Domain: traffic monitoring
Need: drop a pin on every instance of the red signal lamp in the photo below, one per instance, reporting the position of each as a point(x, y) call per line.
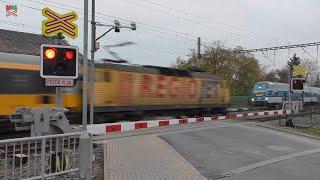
point(69, 55)
point(50, 53)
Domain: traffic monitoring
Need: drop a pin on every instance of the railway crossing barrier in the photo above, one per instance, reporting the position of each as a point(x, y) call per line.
point(100, 129)
point(40, 157)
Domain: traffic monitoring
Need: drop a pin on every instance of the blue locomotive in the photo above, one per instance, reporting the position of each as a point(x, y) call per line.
point(267, 93)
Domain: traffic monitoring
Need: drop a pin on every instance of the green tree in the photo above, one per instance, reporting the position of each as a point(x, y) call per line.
point(278, 75)
point(240, 70)
point(294, 61)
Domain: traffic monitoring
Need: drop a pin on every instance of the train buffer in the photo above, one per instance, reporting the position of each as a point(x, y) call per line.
point(42, 121)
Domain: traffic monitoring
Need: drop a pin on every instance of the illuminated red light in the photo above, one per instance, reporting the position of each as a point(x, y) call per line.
point(50, 53)
point(69, 55)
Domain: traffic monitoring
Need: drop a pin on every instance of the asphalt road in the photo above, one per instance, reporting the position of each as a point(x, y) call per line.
point(248, 152)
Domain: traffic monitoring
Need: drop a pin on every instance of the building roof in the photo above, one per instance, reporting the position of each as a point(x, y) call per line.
point(23, 43)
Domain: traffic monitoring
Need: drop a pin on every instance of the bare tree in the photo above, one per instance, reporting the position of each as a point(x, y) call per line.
point(313, 72)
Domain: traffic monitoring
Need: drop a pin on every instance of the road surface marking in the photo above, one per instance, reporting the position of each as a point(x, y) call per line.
point(267, 162)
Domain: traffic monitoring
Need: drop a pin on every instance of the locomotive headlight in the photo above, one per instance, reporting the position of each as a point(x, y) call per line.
point(266, 99)
point(252, 99)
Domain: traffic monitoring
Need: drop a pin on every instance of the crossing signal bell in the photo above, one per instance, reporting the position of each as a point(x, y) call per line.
point(297, 84)
point(59, 61)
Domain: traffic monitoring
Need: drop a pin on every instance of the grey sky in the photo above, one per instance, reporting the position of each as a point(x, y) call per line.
point(168, 29)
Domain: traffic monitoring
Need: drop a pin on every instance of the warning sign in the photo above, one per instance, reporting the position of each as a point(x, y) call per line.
point(59, 23)
point(300, 70)
point(59, 82)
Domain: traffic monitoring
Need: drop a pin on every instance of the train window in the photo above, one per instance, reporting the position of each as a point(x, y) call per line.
point(275, 93)
point(45, 99)
point(107, 77)
point(97, 77)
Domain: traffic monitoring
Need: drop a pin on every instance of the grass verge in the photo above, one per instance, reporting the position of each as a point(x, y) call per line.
point(314, 131)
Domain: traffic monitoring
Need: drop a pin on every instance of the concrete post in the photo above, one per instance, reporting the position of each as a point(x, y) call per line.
point(85, 162)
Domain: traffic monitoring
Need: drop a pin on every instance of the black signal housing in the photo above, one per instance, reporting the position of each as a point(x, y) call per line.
point(59, 61)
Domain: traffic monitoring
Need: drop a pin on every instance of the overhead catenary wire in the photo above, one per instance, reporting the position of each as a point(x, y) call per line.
point(208, 19)
point(104, 16)
point(35, 26)
point(281, 47)
point(177, 36)
point(308, 54)
point(149, 46)
point(198, 21)
point(206, 25)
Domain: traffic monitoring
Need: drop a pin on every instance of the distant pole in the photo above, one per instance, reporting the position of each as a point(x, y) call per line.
point(274, 58)
point(290, 105)
point(93, 49)
point(317, 53)
point(59, 92)
point(199, 53)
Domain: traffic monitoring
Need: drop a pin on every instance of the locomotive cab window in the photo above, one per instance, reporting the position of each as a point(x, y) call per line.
point(106, 76)
point(102, 76)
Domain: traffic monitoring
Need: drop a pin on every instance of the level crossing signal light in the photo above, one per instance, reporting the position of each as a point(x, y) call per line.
point(297, 84)
point(59, 61)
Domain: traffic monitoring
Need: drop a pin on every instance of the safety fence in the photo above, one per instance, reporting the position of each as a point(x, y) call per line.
point(240, 102)
point(39, 157)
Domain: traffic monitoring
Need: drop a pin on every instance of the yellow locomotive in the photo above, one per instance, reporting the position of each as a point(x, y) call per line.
point(119, 89)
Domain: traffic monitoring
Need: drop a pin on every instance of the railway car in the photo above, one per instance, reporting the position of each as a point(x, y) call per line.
point(120, 89)
point(270, 94)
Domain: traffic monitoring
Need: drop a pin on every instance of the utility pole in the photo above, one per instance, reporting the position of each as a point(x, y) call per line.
point(289, 92)
point(84, 144)
point(317, 53)
point(93, 49)
point(198, 52)
point(85, 68)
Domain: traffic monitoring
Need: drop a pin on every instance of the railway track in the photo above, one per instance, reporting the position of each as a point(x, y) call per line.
point(35, 146)
point(308, 111)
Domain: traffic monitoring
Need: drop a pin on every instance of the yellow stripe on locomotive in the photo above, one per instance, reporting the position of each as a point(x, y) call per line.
point(115, 86)
point(22, 87)
point(119, 88)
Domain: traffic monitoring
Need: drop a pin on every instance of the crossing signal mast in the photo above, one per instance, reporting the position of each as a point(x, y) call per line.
point(297, 84)
point(59, 64)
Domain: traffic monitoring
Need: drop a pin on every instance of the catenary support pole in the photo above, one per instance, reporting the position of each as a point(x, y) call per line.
point(289, 92)
point(274, 58)
point(85, 69)
point(93, 49)
point(92, 73)
point(199, 52)
point(317, 53)
point(85, 160)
